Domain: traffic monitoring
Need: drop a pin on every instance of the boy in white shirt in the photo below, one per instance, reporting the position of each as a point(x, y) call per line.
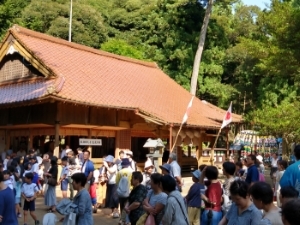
point(7, 181)
point(29, 191)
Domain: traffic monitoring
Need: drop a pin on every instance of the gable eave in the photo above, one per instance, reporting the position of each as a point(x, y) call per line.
point(11, 39)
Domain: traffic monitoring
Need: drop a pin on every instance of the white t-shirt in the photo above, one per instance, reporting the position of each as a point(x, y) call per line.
point(9, 184)
point(111, 176)
point(13, 181)
point(96, 175)
point(35, 168)
point(29, 189)
point(274, 162)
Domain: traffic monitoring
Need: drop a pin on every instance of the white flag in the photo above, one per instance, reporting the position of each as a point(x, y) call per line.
point(186, 115)
point(228, 117)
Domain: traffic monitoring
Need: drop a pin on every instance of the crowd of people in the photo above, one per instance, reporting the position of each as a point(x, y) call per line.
point(148, 197)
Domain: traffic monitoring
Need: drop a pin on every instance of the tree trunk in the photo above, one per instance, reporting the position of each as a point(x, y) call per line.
point(198, 56)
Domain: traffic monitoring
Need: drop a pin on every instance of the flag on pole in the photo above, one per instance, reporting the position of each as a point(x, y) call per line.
point(228, 117)
point(186, 115)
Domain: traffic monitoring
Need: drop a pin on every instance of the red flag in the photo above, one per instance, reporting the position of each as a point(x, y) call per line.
point(228, 117)
point(186, 115)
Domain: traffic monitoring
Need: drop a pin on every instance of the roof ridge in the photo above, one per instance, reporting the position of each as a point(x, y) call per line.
point(19, 29)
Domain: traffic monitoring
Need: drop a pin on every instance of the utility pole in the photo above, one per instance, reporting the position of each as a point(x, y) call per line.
point(70, 23)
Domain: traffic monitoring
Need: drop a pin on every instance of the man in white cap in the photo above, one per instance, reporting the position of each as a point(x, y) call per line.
point(175, 170)
point(132, 162)
point(149, 169)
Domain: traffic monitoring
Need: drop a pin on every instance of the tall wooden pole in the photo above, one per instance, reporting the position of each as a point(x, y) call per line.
point(171, 150)
point(213, 148)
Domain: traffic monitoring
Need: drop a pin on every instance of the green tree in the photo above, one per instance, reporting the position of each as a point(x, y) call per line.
point(120, 47)
point(52, 17)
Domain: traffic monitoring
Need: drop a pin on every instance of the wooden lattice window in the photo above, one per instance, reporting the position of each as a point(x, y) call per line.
point(16, 67)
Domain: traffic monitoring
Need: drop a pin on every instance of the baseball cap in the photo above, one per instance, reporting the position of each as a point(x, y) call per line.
point(197, 174)
point(128, 152)
point(68, 150)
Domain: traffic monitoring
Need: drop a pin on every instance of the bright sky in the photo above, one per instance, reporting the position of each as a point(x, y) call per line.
point(260, 3)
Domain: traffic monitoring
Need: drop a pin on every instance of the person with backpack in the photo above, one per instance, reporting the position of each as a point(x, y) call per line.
point(123, 179)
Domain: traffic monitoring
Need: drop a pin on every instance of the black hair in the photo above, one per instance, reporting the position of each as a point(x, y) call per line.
point(291, 211)
point(155, 178)
point(79, 178)
point(87, 151)
point(137, 175)
point(289, 192)
point(239, 164)
point(6, 172)
point(65, 158)
point(53, 162)
point(1, 177)
point(283, 163)
point(168, 183)
point(29, 176)
point(297, 152)
point(201, 167)
point(13, 170)
point(252, 157)
point(262, 191)
point(229, 167)
point(26, 166)
point(240, 188)
point(211, 173)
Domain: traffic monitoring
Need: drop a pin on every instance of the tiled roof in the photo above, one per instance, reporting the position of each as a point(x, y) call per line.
point(95, 77)
point(24, 91)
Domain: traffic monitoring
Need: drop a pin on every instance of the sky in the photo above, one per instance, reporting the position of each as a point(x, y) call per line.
point(260, 3)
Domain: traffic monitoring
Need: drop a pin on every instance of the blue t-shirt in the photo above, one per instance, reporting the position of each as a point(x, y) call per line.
point(7, 207)
point(193, 197)
point(250, 216)
point(252, 174)
point(291, 177)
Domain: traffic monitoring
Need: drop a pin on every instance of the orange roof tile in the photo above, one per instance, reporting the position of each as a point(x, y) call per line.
point(99, 78)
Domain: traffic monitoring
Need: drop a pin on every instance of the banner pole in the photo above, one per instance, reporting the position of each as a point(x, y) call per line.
point(213, 148)
point(171, 150)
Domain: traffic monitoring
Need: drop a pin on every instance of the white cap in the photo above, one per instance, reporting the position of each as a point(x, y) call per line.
point(148, 163)
point(259, 158)
point(68, 150)
point(128, 152)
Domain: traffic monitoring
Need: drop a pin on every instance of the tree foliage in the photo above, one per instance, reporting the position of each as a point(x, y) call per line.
point(251, 56)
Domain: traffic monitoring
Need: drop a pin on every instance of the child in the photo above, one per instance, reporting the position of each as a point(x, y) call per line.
point(64, 177)
point(281, 165)
point(41, 177)
point(228, 171)
point(93, 194)
point(193, 199)
point(7, 180)
point(27, 169)
point(35, 170)
point(29, 191)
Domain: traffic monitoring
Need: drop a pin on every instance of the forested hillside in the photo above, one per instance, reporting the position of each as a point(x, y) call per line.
point(251, 56)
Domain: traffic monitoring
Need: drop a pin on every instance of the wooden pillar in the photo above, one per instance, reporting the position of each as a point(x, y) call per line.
point(117, 143)
point(170, 137)
point(200, 147)
point(30, 140)
point(57, 126)
point(7, 139)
